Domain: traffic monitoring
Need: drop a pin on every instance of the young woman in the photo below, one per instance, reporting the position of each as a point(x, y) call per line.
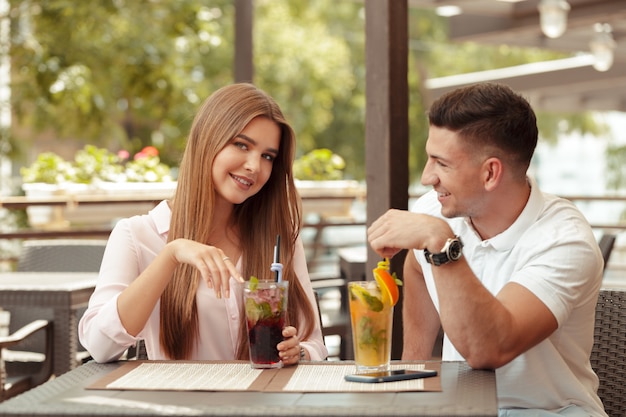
point(174, 277)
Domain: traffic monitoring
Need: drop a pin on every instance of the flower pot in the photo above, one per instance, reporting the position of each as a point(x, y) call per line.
point(44, 217)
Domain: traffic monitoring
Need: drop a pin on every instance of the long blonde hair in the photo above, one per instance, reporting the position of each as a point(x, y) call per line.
point(274, 210)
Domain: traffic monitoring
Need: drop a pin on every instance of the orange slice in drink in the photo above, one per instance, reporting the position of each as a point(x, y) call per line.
point(387, 283)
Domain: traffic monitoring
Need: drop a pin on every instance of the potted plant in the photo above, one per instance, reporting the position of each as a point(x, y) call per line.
point(94, 171)
point(143, 173)
point(319, 165)
point(43, 179)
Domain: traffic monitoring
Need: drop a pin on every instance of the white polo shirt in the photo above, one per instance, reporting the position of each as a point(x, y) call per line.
point(550, 250)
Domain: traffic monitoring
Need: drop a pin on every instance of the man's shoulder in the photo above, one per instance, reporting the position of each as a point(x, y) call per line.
point(559, 208)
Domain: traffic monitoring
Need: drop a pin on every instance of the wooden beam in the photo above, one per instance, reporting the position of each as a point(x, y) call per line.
point(244, 66)
point(386, 123)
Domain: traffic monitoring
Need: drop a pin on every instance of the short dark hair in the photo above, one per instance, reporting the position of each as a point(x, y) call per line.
point(491, 117)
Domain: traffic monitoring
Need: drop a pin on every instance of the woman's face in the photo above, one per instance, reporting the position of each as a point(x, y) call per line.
point(243, 167)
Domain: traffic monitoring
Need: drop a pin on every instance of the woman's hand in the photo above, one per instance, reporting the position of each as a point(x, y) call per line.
point(289, 349)
point(215, 267)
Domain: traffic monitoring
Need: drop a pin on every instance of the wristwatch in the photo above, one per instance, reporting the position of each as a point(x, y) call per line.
point(452, 251)
point(302, 354)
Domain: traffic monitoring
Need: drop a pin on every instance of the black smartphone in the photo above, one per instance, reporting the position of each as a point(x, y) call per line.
point(387, 376)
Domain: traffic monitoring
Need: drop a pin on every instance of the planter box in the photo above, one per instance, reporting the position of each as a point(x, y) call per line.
point(325, 199)
point(104, 215)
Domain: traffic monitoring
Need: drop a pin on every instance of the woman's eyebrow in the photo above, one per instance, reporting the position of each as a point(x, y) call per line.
point(254, 142)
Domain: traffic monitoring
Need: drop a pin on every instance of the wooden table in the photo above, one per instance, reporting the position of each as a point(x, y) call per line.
point(352, 263)
point(64, 293)
point(464, 392)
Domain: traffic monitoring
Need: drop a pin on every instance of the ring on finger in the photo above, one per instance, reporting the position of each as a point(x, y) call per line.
point(226, 258)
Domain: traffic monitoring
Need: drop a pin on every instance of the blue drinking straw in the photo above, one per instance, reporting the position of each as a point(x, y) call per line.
point(277, 267)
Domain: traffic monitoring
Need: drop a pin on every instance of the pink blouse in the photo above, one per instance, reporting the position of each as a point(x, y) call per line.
point(132, 245)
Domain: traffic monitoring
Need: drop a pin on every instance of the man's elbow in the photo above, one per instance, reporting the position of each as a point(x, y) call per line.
point(487, 359)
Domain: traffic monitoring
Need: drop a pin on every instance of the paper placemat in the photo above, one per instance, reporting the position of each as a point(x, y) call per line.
point(240, 376)
point(330, 378)
point(185, 376)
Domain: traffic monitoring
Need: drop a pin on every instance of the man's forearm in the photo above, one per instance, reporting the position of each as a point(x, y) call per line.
point(420, 319)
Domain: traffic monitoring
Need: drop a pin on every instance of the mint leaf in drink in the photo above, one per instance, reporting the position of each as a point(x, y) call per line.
point(253, 312)
point(369, 336)
point(374, 303)
point(266, 310)
point(256, 311)
point(254, 283)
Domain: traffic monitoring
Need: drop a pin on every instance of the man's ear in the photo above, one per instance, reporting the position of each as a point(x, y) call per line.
point(492, 170)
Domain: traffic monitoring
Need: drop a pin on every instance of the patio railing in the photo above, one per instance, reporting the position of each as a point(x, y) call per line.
point(323, 235)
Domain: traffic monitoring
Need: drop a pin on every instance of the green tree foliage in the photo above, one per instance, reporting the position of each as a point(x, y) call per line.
point(126, 74)
point(310, 57)
point(123, 74)
point(616, 167)
point(320, 164)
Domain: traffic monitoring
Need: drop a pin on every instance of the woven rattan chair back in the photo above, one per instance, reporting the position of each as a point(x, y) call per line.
point(608, 357)
point(61, 255)
point(54, 255)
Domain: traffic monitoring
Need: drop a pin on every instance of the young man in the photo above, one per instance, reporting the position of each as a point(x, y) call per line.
point(510, 273)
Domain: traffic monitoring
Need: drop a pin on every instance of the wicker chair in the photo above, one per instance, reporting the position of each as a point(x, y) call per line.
point(52, 255)
point(26, 377)
point(606, 243)
point(608, 357)
point(335, 322)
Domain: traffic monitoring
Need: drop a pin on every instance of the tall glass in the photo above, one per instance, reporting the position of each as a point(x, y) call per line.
point(266, 315)
point(372, 323)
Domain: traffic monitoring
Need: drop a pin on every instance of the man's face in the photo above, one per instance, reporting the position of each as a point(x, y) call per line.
point(455, 174)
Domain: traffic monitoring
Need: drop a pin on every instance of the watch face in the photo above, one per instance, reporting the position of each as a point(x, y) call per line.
point(451, 252)
point(455, 250)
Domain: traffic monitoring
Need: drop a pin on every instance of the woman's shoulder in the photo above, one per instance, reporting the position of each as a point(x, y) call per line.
point(155, 222)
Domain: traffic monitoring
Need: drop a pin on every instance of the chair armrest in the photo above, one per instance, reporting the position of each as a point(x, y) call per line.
point(19, 335)
point(23, 333)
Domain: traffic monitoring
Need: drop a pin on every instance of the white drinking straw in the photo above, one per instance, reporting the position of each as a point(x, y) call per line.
point(277, 267)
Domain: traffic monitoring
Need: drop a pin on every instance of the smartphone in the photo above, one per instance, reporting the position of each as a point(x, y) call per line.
point(387, 376)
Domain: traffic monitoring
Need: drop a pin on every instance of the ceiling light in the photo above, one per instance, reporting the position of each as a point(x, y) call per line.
point(602, 46)
point(553, 17)
point(448, 11)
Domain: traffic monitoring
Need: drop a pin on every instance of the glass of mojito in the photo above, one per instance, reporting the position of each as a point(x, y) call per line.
point(372, 320)
point(266, 314)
